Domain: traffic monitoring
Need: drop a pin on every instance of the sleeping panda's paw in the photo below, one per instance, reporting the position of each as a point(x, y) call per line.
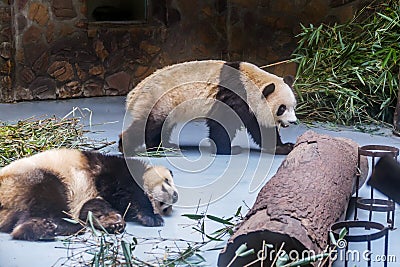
point(106, 217)
point(35, 229)
point(284, 149)
point(150, 219)
point(112, 222)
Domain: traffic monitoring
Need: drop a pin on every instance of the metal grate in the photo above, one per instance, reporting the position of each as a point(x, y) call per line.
point(372, 204)
point(382, 231)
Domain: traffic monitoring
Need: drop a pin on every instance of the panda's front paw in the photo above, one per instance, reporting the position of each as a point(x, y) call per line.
point(112, 222)
point(150, 220)
point(284, 149)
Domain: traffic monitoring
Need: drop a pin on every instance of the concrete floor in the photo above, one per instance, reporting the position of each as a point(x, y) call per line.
point(206, 173)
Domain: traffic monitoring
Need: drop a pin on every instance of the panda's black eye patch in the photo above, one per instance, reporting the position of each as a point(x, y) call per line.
point(281, 110)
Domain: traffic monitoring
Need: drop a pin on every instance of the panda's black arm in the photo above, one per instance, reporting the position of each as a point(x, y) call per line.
point(116, 185)
point(264, 137)
point(282, 148)
point(278, 137)
point(139, 208)
point(105, 214)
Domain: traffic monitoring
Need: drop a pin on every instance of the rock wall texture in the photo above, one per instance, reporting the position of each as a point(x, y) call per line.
point(6, 60)
point(52, 49)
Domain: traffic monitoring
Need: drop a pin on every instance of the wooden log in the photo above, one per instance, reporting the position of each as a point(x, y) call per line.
point(310, 191)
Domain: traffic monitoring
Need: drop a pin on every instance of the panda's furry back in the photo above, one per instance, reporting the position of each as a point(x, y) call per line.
point(197, 83)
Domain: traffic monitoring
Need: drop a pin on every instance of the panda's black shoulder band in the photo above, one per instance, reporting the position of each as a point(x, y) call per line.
point(234, 64)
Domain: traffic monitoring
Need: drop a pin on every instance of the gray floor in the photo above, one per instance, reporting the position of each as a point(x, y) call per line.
point(216, 191)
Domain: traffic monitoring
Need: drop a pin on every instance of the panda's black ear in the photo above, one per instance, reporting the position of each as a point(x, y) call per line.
point(289, 80)
point(171, 173)
point(269, 89)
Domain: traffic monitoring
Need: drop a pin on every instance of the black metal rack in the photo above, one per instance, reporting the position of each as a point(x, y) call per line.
point(382, 231)
point(372, 204)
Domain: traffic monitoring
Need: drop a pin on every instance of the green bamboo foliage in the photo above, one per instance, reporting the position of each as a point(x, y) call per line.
point(36, 134)
point(33, 135)
point(348, 73)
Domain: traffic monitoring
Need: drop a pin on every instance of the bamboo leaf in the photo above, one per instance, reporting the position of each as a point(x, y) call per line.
point(241, 249)
point(343, 233)
point(385, 61)
point(307, 260)
point(238, 211)
point(332, 238)
point(220, 220)
point(388, 18)
point(195, 217)
point(126, 248)
point(359, 77)
point(246, 253)
point(282, 260)
point(70, 220)
point(340, 40)
point(213, 238)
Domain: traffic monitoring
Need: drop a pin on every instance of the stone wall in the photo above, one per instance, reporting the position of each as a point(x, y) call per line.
point(59, 53)
point(6, 63)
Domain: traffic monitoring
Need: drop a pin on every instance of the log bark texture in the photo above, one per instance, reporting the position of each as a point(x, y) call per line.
point(310, 191)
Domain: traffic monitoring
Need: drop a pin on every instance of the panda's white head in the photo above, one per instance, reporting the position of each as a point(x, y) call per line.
point(277, 93)
point(159, 186)
point(281, 100)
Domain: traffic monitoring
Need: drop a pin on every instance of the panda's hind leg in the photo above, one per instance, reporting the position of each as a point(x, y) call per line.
point(8, 219)
point(148, 132)
point(41, 216)
point(157, 136)
point(35, 229)
point(42, 228)
point(222, 136)
point(132, 138)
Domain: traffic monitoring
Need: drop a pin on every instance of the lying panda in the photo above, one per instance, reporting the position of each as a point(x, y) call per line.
point(228, 95)
point(37, 191)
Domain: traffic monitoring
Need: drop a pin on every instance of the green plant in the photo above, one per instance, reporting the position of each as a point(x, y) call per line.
point(36, 134)
point(99, 248)
point(348, 73)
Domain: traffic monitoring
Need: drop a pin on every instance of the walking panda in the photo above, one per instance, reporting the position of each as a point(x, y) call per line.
point(37, 192)
point(228, 95)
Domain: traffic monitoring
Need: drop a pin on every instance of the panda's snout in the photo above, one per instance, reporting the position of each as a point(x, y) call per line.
point(286, 124)
point(174, 197)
